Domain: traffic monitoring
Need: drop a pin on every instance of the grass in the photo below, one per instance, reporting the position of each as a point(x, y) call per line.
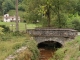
point(1, 18)
point(21, 25)
point(9, 45)
point(70, 51)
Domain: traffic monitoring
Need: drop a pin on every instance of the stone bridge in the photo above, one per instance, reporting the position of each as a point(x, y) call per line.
point(51, 34)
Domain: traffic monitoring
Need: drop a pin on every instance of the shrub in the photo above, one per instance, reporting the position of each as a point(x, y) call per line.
point(76, 24)
point(1, 33)
point(60, 22)
point(5, 28)
point(33, 48)
point(17, 46)
point(31, 53)
point(16, 33)
point(59, 54)
point(25, 55)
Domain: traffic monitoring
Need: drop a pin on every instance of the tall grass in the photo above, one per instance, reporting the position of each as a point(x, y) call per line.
point(70, 51)
point(10, 42)
point(9, 45)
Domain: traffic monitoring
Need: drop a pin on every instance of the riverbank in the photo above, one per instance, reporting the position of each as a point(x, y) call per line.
point(70, 51)
point(10, 43)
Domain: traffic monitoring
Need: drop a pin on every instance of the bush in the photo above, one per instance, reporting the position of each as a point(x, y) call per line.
point(76, 24)
point(17, 33)
point(32, 46)
point(31, 53)
point(1, 33)
point(5, 28)
point(25, 55)
point(62, 23)
point(59, 54)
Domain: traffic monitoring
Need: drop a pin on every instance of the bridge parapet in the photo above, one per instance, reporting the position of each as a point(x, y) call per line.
point(50, 32)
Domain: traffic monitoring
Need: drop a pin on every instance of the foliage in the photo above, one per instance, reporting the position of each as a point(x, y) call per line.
point(78, 7)
point(51, 10)
point(45, 11)
point(7, 5)
point(59, 54)
point(1, 33)
point(25, 55)
point(21, 7)
point(33, 48)
point(1, 9)
point(31, 53)
point(76, 24)
point(70, 51)
point(62, 23)
point(6, 46)
point(5, 28)
point(12, 43)
point(17, 33)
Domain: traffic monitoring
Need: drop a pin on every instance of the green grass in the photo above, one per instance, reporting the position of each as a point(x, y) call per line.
point(0, 17)
point(21, 25)
point(70, 51)
point(9, 45)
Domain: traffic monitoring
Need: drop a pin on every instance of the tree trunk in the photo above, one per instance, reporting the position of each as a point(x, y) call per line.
point(17, 25)
point(48, 16)
point(59, 22)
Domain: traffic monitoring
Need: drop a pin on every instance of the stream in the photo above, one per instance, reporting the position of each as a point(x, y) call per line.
point(45, 54)
point(47, 49)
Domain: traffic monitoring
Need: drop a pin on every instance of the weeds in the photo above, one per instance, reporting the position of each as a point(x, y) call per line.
point(70, 51)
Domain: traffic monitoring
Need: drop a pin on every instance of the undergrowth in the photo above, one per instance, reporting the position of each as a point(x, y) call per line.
point(10, 42)
point(70, 51)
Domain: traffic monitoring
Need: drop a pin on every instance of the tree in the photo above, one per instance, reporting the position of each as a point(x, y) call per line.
point(7, 5)
point(78, 7)
point(52, 10)
point(31, 9)
point(1, 9)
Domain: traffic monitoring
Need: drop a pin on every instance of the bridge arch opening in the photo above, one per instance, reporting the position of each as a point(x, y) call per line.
point(49, 45)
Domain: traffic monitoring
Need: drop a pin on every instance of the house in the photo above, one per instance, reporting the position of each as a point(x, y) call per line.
point(8, 18)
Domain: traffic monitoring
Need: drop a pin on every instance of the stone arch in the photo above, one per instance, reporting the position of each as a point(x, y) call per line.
point(60, 40)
